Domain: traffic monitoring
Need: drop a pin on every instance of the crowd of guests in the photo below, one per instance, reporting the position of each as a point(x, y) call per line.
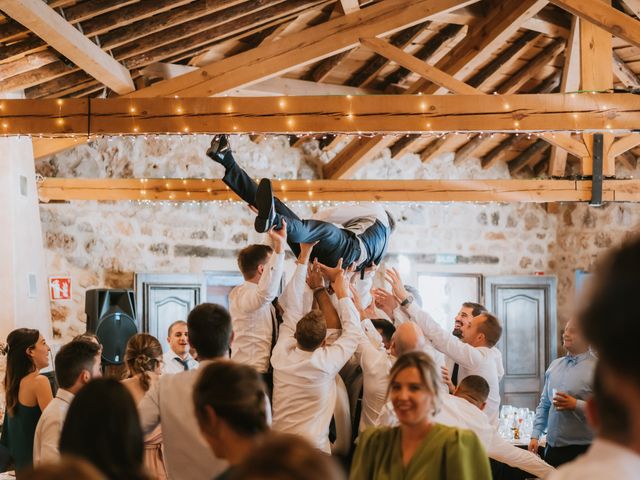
point(327, 380)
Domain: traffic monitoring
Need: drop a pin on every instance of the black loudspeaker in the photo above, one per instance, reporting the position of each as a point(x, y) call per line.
point(111, 316)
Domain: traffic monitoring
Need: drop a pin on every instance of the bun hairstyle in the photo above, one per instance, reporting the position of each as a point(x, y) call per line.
point(237, 394)
point(19, 364)
point(143, 355)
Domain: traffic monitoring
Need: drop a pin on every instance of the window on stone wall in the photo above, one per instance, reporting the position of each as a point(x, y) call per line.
point(443, 293)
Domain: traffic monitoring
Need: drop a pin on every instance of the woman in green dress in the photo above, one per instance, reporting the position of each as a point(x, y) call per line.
point(418, 449)
point(27, 392)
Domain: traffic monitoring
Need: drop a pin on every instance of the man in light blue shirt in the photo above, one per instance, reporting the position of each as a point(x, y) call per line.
point(561, 411)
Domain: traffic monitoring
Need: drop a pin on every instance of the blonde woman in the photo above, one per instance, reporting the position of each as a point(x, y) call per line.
point(143, 359)
point(418, 448)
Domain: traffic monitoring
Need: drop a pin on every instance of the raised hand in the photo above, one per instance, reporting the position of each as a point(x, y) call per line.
point(315, 279)
point(331, 273)
point(392, 276)
point(385, 301)
point(278, 237)
point(340, 283)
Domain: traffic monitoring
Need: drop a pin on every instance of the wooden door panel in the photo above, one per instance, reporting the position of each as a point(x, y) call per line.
point(526, 307)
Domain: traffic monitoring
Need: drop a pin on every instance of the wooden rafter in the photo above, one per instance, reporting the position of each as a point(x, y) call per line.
point(570, 83)
point(303, 48)
point(371, 69)
point(61, 35)
point(232, 21)
point(485, 37)
point(510, 54)
point(624, 144)
point(529, 156)
point(69, 189)
point(624, 73)
point(604, 16)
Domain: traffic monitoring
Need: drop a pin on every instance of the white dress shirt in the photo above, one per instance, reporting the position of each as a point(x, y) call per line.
point(252, 315)
point(603, 460)
point(169, 403)
point(47, 436)
point(304, 394)
point(483, 361)
point(376, 362)
point(172, 365)
point(458, 412)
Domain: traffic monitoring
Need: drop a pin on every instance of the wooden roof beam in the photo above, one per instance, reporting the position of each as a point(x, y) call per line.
point(570, 82)
point(604, 16)
point(153, 189)
point(627, 76)
point(61, 35)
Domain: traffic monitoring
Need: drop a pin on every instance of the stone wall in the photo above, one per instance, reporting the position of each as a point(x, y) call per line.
point(104, 244)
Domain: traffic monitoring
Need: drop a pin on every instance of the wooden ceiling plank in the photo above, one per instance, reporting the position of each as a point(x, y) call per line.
point(510, 54)
point(369, 71)
point(351, 157)
point(604, 16)
point(524, 74)
point(426, 53)
point(240, 28)
point(350, 6)
point(186, 24)
point(627, 76)
point(466, 150)
point(417, 66)
point(61, 35)
point(26, 64)
point(305, 47)
point(134, 14)
point(528, 156)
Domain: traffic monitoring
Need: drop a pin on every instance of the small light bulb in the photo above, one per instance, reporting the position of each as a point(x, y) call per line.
point(135, 129)
point(132, 109)
point(282, 104)
point(60, 121)
point(59, 101)
point(179, 109)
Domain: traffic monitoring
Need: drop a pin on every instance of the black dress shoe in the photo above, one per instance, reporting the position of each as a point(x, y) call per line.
point(264, 204)
point(219, 148)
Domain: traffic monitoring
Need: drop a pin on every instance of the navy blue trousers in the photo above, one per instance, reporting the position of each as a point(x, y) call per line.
point(333, 242)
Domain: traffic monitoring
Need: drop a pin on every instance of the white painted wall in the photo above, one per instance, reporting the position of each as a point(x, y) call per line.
point(21, 248)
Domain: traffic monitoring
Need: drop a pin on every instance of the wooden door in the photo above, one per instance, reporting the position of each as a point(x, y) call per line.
point(163, 299)
point(526, 306)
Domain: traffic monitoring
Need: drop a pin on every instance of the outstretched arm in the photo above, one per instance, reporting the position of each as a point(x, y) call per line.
point(442, 340)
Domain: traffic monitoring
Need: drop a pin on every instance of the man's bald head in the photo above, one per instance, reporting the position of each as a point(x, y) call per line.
point(407, 338)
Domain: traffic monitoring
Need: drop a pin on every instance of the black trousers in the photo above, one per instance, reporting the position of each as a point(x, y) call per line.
point(333, 243)
point(556, 456)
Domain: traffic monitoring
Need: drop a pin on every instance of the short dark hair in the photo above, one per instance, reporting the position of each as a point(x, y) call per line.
point(476, 308)
point(209, 329)
point(177, 322)
point(311, 330)
point(251, 257)
point(491, 328)
point(104, 411)
point(476, 386)
point(386, 326)
point(236, 393)
point(610, 319)
point(72, 359)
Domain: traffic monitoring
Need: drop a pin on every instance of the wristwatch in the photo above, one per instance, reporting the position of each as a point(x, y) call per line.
point(407, 301)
